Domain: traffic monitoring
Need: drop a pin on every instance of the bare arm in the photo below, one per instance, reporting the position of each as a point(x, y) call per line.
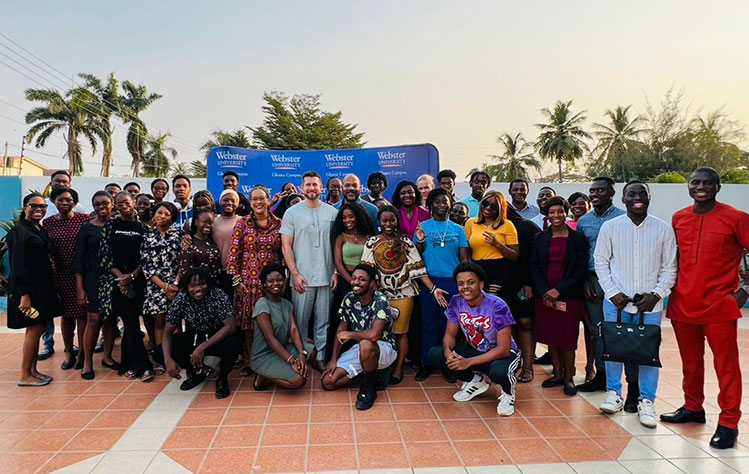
point(338, 259)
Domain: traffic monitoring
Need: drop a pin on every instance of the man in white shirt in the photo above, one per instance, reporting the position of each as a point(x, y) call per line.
point(635, 261)
point(60, 179)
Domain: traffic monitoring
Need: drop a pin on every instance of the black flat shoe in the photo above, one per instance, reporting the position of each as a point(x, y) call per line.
point(633, 398)
point(570, 390)
point(543, 360)
point(423, 373)
point(222, 388)
point(682, 415)
point(113, 366)
point(598, 384)
point(393, 380)
point(724, 438)
point(259, 387)
point(79, 364)
point(45, 353)
point(87, 375)
point(191, 382)
point(549, 383)
point(67, 365)
point(366, 397)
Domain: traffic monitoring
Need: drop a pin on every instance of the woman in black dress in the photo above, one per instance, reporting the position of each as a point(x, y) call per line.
point(86, 268)
point(122, 286)
point(32, 299)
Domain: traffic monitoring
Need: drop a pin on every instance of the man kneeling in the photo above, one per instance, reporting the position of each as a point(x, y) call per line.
point(365, 318)
point(209, 319)
point(490, 353)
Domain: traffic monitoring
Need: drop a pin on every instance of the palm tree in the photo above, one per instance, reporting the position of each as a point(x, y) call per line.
point(180, 168)
point(135, 100)
point(236, 138)
point(514, 160)
point(156, 157)
point(70, 114)
point(615, 138)
point(562, 138)
point(106, 102)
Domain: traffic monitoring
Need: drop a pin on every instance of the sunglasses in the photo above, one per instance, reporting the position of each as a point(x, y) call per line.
point(492, 205)
point(37, 206)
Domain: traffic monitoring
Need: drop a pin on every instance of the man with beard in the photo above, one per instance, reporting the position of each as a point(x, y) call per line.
point(365, 319)
point(706, 302)
point(635, 260)
point(352, 194)
point(181, 187)
point(479, 182)
point(231, 181)
point(519, 192)
point(305, 240)
point(446, 180)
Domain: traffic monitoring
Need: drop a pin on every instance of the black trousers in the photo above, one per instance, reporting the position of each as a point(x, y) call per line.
point(500, 371)
point(134, 355)
point(183, 344)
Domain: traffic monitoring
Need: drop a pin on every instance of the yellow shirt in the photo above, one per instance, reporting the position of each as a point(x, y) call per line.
point(506, 233)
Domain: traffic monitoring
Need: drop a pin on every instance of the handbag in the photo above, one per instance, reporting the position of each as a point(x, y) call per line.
point(631, 342)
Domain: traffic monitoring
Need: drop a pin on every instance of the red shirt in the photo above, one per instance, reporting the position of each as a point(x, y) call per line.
point(710, 250)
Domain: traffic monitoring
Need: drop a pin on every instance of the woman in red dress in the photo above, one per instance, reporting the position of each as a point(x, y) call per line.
point(62, 229)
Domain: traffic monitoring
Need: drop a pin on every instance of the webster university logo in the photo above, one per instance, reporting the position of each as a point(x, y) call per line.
point(285, 162)
point(227, 159)
point(334, 161)
point(388, 159)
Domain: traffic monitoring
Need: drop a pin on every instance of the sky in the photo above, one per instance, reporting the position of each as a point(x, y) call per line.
point(455, 74)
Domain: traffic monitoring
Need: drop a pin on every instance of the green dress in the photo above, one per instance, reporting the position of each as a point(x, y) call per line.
point(264, 360)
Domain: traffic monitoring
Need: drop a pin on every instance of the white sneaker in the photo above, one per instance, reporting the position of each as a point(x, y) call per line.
point(506, 405)
point(471, 389)
point(646, 411)
point(614, 403)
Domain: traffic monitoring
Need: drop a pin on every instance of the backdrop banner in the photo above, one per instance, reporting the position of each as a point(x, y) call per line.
point(273, 168)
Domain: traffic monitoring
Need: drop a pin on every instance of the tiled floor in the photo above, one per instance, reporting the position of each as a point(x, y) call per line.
point(110, 425)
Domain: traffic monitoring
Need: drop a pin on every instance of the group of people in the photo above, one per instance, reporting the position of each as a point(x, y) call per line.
point(354, 285)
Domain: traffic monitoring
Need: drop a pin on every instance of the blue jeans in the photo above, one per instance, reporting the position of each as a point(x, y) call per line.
point(48, 337)
point(433, 319)
point(648, 377)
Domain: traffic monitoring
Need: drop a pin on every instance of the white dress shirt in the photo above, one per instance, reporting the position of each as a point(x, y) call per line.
point(633, 259)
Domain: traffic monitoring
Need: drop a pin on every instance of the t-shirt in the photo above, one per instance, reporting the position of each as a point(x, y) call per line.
point(222, 233)
point(310, 227)
point(398, 266)
point(480, 250)
point(361, 318)
point(125, 238)
point(442, 242)
point(480, 325)
point(473, 205)
point(205, 316)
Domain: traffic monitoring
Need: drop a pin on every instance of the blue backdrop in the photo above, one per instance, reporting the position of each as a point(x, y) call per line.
point(274, 168)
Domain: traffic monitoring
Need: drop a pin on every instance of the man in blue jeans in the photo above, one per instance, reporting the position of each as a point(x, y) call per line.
point(635, 261)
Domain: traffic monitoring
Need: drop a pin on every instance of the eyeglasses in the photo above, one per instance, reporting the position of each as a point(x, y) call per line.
point(37, 206)
point(101, 203)
point(492, 205)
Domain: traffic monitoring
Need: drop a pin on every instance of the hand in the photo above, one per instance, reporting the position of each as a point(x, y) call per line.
point(740, 296)
point(330, 368)
point(25, 306)
point(528, 291)
point(333, 281)
point(196, 359)
point(590, 292)
point(171, 368)
point(242, 290)
point(459, 363)
point(300, 283)
point(186, 242)
point(552, 294)
point(344, 336)
point(491, 239)
point(420, 234)
point(124, 282)
point(647, 303)
point(303, 366)
point(620, 300)
point(82, 298)
point(295, 365)
point(171, 291)
point(439, 295)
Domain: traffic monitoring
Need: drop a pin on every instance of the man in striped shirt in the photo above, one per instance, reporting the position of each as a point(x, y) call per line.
point(635, 261)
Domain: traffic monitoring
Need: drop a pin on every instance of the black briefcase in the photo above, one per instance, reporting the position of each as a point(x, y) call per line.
point(631, 342)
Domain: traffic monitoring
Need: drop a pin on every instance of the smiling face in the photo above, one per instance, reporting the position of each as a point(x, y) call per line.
point(162, 217)
point(351, 188)
point(703, 187)
point(258, 202)
point(275, 283)
point(408, 196)
point(459, 213)
point(636, 199)
point(159, 190)
point(335, 187)
point(60, 181)
point(311, 188)
point(196, 288)
point(518, 191)
point(35, 209)
point(447, 184)
point(229, 204)
point(289, 188)
point(361, 284)
point(388, 223)
point(425, 186)
point(490, 208)
point(124, 205)
point(440, 206)
point(349, 219)
point(113, 189)
point(469, 286)
point(231, 182)
point(204, 224)
point(182, 189)
point(544, 195)
point(557, 215)
point(143, 205)
point(102, 206)
point(134, 190)
point(601, 194)
point(64, 203)
point(579, 207)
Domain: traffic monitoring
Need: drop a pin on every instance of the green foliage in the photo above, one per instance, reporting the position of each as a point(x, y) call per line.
point(236, 138)
point(670, 177)
point(136, 99)
point(300, 124)
point(562, 138)
point(156, 158)
point(104, 103)
point(615, 139)
point(197, 169)
point(735, 176)
point(514, 162)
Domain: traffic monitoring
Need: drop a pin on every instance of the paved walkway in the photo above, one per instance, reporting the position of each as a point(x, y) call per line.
point(110, 425)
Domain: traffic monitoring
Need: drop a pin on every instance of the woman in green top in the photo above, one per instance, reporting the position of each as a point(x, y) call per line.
point(351, 229)
point(277, 344)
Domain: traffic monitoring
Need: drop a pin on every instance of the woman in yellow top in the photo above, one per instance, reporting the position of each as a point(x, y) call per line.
point(493, 241)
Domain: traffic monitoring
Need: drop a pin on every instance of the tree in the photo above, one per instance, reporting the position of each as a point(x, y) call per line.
point(180, 168)
point(300, 124)
point(70, 114)
point(135, 100)
point(236, 138)
point(197, 169)
point(514, 160)
point(156, 161)
point(562, 138)
point(614, 139)
point(105, 102)
point(715, 137)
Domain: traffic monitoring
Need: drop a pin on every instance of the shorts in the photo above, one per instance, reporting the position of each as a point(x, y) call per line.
point(405, 307)
point(351, 363)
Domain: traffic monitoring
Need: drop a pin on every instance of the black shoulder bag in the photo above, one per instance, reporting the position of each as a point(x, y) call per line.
point(631, 342)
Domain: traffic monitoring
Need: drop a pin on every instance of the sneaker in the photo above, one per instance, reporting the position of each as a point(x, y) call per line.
point(471, 389)
point(614, 403)
point(646, 411)
point(506, 405)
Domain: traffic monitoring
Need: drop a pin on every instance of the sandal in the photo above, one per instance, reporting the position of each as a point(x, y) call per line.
point(590, 374)
point(147, 376)
point(526, 375)
point(246, 372)
point(130, 375)
point(159, 370)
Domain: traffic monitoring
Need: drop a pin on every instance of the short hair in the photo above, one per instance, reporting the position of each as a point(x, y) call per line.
point(231, 173)
point(65, 172)
point(153, 183)
point(634, 181)
point(173, 212)
point(577, 195)
point(707, 170)
point(549, 188)
point(311, 174)
point(57, 191)
point(369, 269)
point(144, 195)
point(397, 193)
point(555, 201)
point(472, 267)
point(181, 176)
point(479, 172)
point(434, 194)
point(270, 268)
point(100, 194)
point(327, 183)
point(468, 209)
point(130, 184)
point(518, 180)
point(377, 176)
point(606, 179)
point(201, 273)
point(446, 173)
point(124, 193)
point(426, 177)
point(112, 184)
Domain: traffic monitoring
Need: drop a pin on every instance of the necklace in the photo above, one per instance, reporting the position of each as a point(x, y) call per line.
point(442, 236)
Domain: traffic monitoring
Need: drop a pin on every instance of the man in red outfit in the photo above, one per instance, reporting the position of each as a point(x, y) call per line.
point(706, 302)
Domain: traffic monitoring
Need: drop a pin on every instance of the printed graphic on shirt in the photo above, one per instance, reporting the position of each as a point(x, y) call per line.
point(474, 328)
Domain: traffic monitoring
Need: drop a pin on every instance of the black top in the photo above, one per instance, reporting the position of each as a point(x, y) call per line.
point(86, 259)
point(522, 267)
point(205, 316)
point(575, 265)
point(120, 247)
